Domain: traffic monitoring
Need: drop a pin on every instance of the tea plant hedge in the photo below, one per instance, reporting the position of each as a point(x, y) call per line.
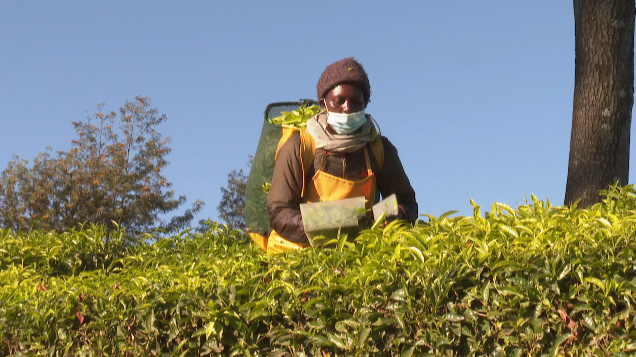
point(533, 281)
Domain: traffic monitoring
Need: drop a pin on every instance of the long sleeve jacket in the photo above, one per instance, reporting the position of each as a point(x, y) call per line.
point(284, 198)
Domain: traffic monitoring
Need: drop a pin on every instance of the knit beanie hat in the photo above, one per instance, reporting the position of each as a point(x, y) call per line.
point(346, 70)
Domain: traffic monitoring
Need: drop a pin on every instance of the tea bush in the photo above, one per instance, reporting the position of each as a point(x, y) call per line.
point(536, 280)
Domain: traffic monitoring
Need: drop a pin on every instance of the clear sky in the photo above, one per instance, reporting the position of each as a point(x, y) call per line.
point(476, 95)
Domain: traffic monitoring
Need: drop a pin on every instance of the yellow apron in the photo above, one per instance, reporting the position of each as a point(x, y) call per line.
point(325, 187)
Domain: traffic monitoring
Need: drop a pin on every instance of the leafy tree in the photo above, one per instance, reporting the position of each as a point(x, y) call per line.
point(603, 98)
point(107, 175)
point(232, 206)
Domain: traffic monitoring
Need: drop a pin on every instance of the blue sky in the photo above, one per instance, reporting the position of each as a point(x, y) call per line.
point(476, 96)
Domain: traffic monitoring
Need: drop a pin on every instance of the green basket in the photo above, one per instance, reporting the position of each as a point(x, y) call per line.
point(256, 215)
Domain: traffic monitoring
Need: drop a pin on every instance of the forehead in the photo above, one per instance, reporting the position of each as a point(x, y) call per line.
point(345, 90)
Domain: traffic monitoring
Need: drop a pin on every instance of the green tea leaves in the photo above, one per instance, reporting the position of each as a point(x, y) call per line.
point(563, 284)
point(298, 117)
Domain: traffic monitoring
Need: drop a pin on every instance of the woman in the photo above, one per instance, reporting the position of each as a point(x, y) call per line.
point(350, 160)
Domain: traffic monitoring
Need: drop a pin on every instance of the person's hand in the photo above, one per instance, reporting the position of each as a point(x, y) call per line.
point(401, 215)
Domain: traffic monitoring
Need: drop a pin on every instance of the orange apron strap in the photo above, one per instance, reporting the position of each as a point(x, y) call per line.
point(307, 148)
point(378, 151)
point(366, 157)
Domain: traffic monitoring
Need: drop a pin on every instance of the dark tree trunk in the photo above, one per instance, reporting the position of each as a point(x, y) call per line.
point(603, 98)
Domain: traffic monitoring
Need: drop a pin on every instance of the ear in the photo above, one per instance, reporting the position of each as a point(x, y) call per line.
point(323, 104)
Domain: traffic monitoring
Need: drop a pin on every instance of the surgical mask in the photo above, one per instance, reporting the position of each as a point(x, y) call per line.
point(343, 123)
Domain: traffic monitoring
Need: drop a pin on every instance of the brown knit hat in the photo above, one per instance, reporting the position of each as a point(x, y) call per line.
point(346, 70)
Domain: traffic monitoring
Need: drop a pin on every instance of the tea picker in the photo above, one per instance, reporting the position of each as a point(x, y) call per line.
point(339, 154)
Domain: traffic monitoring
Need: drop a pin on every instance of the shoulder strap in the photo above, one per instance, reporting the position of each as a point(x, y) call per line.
point(378, 150)
point(307, 148)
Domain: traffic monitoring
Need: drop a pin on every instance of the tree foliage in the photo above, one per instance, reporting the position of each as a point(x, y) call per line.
point(113, 172)
point(232, 206)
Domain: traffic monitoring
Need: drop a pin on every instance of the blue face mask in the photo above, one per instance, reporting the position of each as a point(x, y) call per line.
point(343, 123)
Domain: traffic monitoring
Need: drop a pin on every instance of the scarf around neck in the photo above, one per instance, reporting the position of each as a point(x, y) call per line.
point(341, 143)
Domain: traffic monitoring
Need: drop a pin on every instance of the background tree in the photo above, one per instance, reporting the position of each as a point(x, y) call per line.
point(603, 98)
point(232, 206)
point(107, 175)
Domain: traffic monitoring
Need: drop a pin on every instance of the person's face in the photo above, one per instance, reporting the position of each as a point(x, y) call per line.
point(344, 98)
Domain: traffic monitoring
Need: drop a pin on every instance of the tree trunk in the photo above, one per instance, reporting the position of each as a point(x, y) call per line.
point(603, 98)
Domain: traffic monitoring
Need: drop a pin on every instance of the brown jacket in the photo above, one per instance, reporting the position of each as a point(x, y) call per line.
point(284, 198)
